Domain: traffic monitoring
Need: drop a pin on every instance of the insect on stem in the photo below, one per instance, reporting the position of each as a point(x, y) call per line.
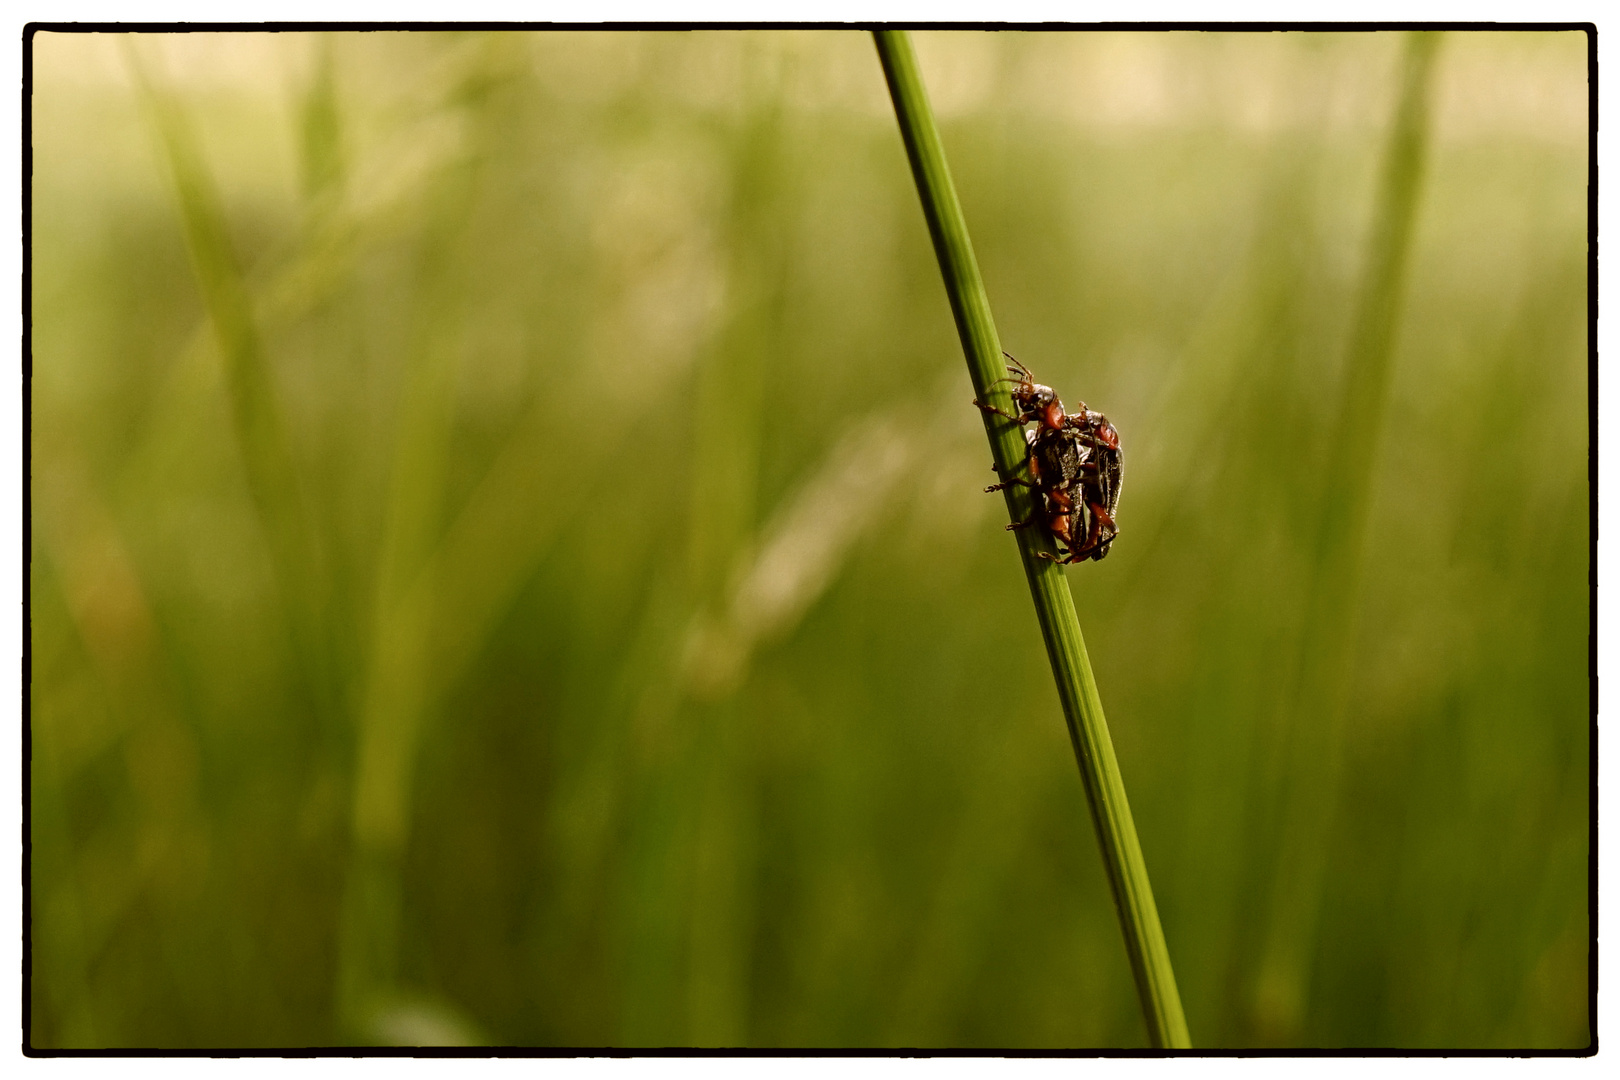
point(1054, 606)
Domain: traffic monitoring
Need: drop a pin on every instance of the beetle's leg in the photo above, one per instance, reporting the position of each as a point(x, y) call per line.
point(1029, 455)
point(1026, 522)
point(1000, 412)
point(1007, 484)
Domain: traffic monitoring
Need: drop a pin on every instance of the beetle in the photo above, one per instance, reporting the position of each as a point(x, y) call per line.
point(1102, 475)
point(1075, 466)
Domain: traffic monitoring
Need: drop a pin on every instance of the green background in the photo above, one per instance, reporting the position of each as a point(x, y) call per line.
point(508, 561)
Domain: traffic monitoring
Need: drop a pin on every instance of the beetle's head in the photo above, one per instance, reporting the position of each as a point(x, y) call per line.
point(1096, 425)
point(1033, 396)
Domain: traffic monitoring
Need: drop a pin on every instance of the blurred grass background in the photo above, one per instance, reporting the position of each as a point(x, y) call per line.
point(509, 565)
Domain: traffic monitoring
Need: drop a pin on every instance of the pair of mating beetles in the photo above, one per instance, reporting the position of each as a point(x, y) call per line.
point(1075, 469)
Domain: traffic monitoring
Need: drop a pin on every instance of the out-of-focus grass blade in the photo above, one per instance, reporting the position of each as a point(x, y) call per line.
point(1321, 697)
point(322, 159)
point(349, 221)
point(394, 693)
point(86, 557)
point(703, 1001)
point(261, 432)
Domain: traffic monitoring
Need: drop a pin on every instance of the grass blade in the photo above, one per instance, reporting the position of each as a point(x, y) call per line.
point(1054, 606)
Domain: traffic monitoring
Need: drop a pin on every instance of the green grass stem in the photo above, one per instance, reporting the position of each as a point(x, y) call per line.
point(1054, 606)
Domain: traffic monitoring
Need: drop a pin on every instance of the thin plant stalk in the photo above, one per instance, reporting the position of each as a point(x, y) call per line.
point(1054, 606)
